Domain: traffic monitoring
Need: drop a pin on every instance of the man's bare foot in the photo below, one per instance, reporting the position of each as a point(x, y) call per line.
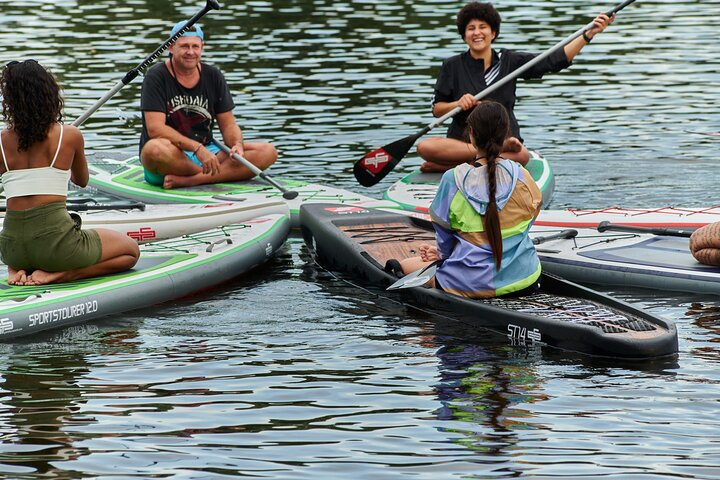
point(179, 181)
point(16, 277)
point(41, 277)
point(432, 167)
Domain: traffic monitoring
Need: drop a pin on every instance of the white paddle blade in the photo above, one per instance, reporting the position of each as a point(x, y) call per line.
point(416, 279)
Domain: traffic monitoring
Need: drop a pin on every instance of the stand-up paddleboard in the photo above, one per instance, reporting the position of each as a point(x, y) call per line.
point(627, 260)
point(148, 223)
point(561, 314)
point(124, 177)
point(166, 270)
point(676, 217)
point(416, 191)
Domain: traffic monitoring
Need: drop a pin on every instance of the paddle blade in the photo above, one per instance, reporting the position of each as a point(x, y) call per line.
point(417, 278)
point(373, 167)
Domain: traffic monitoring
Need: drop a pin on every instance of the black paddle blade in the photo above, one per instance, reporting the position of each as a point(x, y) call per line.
point(375, 165)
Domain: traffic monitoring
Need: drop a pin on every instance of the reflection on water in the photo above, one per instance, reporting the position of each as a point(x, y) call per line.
point(292, 373)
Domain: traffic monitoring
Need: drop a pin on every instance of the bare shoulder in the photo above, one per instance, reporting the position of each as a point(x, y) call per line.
point(73, 134)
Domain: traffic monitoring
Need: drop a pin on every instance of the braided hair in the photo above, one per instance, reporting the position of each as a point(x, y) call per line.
point(488, 127)
point(31, 101)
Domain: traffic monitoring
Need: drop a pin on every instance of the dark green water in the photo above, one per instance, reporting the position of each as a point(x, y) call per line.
point(292, 373)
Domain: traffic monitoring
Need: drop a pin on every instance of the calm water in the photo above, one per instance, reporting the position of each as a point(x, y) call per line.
point(293, 373)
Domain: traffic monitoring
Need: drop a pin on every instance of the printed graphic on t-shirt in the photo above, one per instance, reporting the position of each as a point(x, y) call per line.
point(188, 112)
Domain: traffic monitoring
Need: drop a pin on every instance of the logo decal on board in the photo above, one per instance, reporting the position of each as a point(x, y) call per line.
point(345, 210)
point(6, 325)
point(145, 233)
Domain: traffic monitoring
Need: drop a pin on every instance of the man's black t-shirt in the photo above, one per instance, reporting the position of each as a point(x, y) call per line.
point(461, 74)
point(190, 111)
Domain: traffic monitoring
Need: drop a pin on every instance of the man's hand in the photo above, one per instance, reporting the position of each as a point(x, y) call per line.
point(210, 163)
point(238, 148)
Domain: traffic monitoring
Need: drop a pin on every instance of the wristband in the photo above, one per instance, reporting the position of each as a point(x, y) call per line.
point(197, 148)
point(586, 38)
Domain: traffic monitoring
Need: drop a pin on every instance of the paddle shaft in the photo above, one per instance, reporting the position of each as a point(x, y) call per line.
point(287, 194)
point(663, 231)
point(133, 73)
point(83, 207)
point(516, 73)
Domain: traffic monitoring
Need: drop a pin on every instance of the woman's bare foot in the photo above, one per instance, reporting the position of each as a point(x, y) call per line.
point(41, 277)
point(16, 277)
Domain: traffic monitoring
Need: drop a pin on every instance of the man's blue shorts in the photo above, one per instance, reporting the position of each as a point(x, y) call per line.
point(156, 179)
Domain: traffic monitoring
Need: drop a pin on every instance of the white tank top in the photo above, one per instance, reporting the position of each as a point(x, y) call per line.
point(35, 181)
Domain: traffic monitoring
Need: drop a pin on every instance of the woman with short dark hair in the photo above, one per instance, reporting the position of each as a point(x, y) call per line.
point(465, 75)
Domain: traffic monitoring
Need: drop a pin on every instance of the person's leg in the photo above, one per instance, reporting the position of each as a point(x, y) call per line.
point(413, 264)
point(119, 253)
point(260, 154)
point(160, 156)
point(442, 154)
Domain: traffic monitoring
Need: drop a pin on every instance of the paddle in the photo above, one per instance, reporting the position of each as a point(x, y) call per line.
point(374, 166)
point(417, 278)
point(133, 73)
point(423, 275)
point(670, 232)
point(287, 194)
point(709, 134)
point(83, 207)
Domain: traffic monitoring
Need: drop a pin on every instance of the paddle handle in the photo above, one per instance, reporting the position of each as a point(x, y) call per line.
point(287, 194)
point(133, 73)
point(564, 234)
point(516, 73)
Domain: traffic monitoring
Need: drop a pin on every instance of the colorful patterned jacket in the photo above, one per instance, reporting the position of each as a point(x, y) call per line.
point(457, 212)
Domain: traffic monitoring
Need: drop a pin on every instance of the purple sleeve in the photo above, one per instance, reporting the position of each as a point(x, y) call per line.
point(440, 213)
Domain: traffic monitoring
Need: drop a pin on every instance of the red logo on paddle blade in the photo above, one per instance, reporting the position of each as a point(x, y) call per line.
point(375, 161)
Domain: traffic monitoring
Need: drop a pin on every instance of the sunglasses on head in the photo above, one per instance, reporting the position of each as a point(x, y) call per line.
point(15, 62)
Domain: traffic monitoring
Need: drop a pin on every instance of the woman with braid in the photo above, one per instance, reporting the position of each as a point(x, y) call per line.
point(482, 214)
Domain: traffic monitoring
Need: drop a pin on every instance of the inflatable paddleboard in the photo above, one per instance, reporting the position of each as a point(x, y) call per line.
point(416, 191)
point(166, 270)
point(149, 223)
point(627, 260)
point(124, 177)
point(676, 217)
point(561, 314)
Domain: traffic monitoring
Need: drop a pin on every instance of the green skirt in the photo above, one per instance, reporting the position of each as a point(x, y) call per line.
point(47, 238)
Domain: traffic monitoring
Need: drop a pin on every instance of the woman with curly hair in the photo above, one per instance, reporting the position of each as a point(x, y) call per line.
point(40, 243)
point(465, 75)
point(482, 215)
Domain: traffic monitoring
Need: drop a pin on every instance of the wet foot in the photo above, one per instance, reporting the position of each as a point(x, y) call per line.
point(17, 277)
point(41, 277)
point(178, 181)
